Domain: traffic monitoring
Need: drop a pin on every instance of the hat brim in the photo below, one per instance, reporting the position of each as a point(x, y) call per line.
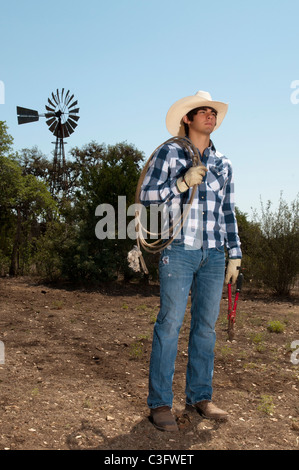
point(174, 117)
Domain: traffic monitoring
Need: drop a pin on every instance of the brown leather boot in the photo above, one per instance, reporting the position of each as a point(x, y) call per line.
point(163, 419)
point(207, 410)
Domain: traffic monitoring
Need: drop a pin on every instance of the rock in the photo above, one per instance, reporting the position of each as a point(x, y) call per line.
point(109, 418)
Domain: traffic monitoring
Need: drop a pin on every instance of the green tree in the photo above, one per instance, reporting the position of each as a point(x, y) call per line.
point(251, 238)
point(25, 204)
point(277, 255)
point(34, 162)
point(103, 173)
point(6, 140)
point(10, 176)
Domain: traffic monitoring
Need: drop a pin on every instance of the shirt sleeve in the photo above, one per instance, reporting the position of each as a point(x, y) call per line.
point(233, 242)
point(159, 185)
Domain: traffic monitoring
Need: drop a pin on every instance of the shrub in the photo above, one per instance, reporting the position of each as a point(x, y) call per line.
point(277, 254)
point(275, 326)
point(266, 405)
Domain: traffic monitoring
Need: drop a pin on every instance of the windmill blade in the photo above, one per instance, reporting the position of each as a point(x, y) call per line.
point(58, 97)
point(73, 104)
point(64, 106)
point(66, 96)
point(74, 117)
point(69, 127)
point(54, 98)
point(51, 110)
point(74, 111)
point(65, 130)
point(69, 100)
point(53, 127)
point(51, 121)
point(62, 91)
point(52, 104)
point(72, 123)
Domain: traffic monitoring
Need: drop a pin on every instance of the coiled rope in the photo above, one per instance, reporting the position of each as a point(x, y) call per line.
point(159, 244)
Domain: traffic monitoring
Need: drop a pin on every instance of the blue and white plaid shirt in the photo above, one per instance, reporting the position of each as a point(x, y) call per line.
point(211, 222)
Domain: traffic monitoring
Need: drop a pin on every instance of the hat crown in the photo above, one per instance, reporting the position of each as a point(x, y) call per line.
point(205, 95)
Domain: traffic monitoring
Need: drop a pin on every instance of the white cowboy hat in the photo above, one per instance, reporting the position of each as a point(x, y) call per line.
point(181, 107)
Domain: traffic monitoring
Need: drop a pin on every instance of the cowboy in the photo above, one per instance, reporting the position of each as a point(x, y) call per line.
point(195, 261)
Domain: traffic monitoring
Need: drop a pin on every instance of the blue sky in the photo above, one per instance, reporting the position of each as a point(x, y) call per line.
point(127, 61)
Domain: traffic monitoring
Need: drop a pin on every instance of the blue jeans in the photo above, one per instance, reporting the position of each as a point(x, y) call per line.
point(183, 269)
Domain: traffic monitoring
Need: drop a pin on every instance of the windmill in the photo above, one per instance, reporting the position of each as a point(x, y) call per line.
point(62, 119)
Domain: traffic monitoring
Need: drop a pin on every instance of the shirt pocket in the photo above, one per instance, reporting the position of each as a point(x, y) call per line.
point(181, 166)
point(216, 177)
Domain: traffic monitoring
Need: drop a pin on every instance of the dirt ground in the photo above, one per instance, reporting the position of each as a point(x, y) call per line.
point(76, 363)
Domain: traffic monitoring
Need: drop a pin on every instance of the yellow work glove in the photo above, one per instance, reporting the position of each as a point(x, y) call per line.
point(192, 176)
point(232, 271)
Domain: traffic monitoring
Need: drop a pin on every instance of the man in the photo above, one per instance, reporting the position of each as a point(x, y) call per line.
point(196, 260)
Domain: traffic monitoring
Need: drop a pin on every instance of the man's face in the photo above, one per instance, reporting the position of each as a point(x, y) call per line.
point(204, 121)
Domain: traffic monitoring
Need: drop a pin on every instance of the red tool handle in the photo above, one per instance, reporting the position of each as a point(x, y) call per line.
point(232, 308)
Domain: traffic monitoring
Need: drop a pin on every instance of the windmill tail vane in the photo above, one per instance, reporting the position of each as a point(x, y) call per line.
point(61, 118)
point(26, 115)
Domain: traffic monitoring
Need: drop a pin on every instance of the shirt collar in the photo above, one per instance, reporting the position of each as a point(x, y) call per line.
point(211, 147)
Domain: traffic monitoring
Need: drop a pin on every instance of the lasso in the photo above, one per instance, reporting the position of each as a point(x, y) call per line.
point(135, 257)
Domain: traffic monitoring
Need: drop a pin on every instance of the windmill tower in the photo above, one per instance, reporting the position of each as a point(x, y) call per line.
point(62, 119)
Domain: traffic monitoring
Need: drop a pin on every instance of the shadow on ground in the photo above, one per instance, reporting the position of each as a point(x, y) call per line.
point(193, 430)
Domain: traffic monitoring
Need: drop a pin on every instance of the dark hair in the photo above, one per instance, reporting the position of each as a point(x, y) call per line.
point(191, 115)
